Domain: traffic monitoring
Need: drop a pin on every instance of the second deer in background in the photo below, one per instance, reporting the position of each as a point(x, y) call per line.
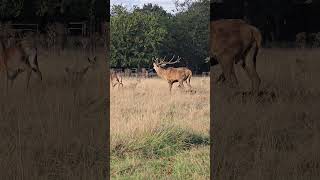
point(116, 79)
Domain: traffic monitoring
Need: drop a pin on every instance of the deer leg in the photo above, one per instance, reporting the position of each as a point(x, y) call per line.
point(170, 86)
point(181, 84)
point(7, 82)
point(120, 84)
point(253, 76)
point(12, 76)
point(221, 79)
point(28, 77)
point(234, 79)
point(228, 72)
point(188, 82)
point(11, 82)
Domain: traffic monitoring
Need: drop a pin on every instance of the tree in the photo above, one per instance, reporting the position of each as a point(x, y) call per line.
point(190, 34)
point(10, 9)
point(150, 31)
point(135, 37)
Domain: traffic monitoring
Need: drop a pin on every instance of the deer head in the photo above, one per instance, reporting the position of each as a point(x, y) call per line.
point(159, 63)
point(79, 74)
point(92, 62)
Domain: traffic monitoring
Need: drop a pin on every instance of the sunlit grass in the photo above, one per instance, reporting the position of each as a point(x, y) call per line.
point(153, 132)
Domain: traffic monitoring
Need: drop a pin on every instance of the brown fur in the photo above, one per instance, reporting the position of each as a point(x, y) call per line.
point(231, 40)
point(78, 76)
point(172, 75)
point(116, 79)
point(17, 59)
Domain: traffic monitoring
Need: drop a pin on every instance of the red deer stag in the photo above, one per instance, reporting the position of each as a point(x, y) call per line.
point(172, 75)
point(231, 40)
point(116, 79)
point(18, 58)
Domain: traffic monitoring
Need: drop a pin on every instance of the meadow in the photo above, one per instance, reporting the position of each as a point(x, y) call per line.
point(56, 129)
point(158, 135)
point(275, 136)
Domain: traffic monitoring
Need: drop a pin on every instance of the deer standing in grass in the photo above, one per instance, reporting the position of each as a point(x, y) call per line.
point(79, 75)
point(172, 75)
point(231, 41)
point(18, 58)
point(116, 79)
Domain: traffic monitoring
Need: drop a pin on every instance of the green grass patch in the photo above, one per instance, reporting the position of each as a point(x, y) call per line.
point(166, 152)
point(190, 164)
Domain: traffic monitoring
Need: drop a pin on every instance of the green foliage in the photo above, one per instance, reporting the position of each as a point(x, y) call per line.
point(135, 37)
point(190, 29)
point(149, 31)
point(10, 8)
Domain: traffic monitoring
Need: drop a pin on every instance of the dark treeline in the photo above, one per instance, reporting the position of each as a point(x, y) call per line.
point(278, 20)
point(44, 11)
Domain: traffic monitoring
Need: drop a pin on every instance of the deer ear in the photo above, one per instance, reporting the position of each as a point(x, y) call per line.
point(95, 58)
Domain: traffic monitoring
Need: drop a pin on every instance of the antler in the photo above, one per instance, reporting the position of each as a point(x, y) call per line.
point(163, 61)
point(155, 60)
point(171, 60)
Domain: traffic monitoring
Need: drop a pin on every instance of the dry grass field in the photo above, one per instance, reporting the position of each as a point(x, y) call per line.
point(57, 129)
point(155, 135)
point(276, 136)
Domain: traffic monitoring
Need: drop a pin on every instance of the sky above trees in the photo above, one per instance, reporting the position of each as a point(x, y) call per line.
point(167, 5)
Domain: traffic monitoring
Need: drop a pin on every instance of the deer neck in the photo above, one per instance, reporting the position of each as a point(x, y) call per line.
point(85, 69)
point(161, 72)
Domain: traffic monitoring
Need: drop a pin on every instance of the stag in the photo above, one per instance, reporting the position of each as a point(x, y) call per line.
point(231, 40)
point(172, 75)
point(19, 58)
point(116, 79)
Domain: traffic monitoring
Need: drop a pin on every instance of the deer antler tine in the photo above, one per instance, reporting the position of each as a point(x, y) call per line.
point(172, 58)
point(154, 59)
point(173, 62)
point(157, 60)
point(161, 60)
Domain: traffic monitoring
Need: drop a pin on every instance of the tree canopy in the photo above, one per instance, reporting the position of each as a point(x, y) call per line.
point(150, 31)
point(31, 10)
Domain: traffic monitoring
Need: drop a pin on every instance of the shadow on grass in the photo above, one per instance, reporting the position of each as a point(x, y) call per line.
point(162, 142)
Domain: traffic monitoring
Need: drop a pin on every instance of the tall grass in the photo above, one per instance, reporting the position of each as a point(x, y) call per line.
point(54, 130)
point(155, 135)
point(276, 138)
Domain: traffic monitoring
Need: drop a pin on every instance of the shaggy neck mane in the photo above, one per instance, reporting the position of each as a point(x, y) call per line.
point(161, 72)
